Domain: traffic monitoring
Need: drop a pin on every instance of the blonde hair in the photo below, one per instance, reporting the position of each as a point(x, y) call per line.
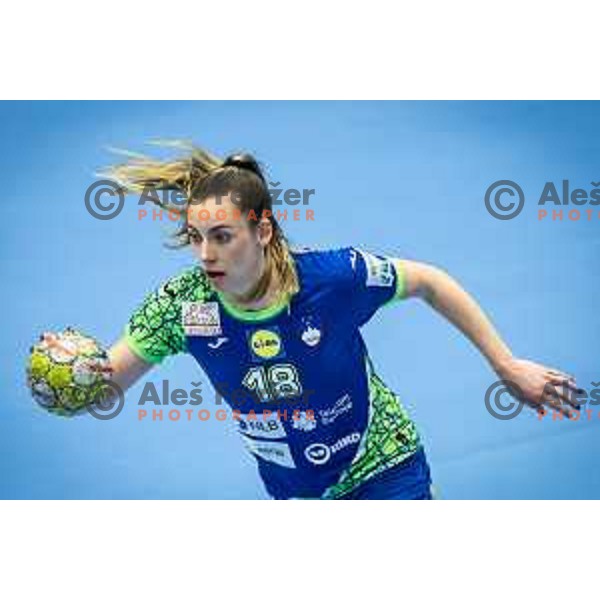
point(198, 174)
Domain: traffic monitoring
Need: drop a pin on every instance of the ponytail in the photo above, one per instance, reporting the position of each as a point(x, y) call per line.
point(199, 174)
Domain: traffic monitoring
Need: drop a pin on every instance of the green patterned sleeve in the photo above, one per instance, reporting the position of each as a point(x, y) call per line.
point(401, 286)
point(155, 328)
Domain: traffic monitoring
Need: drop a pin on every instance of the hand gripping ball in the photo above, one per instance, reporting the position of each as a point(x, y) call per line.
point(66, 371)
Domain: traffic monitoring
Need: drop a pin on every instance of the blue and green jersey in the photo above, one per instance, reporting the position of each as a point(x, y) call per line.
point(312, 410)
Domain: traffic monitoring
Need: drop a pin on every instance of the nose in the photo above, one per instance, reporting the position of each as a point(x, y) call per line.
point(207, 253)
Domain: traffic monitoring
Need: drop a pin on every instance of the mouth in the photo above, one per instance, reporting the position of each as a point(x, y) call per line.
point(216, 276)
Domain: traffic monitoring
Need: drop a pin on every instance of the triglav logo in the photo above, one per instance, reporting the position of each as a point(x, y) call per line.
point(319, 454)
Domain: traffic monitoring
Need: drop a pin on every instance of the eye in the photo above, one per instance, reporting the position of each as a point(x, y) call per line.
point(223, 237)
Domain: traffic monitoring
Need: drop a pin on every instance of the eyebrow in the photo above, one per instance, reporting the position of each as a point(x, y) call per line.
point(212, 229)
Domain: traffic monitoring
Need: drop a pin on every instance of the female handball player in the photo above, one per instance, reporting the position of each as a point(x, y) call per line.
point(277, 330)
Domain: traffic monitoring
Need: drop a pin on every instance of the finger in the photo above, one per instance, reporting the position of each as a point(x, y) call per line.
point(554, 405)
point(558, 406)
point(102, 368)
point(561, 375)
point(551, 397)
point(569, 399)
point(570, 383)
point(565, 389)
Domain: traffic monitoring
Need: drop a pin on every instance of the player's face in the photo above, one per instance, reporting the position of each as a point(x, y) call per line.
point(228, 246)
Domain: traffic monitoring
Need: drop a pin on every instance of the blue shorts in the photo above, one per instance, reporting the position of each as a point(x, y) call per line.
point(410, 480)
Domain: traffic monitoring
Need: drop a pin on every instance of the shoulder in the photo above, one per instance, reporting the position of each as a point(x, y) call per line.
point(348, 263)
point(327, 272)
point(323, 263)
point(155, 328)
point(164, 303)
point(348, 269)
point(190, 284)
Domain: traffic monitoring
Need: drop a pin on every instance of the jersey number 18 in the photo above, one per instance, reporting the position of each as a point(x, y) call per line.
point(274, 382)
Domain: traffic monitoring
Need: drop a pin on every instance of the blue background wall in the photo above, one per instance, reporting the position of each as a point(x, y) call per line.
point(403, 178)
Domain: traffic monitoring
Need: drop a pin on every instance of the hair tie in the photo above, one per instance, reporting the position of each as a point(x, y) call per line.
point(243, 161)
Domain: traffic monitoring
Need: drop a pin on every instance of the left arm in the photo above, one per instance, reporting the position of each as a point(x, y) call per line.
point(448, 298)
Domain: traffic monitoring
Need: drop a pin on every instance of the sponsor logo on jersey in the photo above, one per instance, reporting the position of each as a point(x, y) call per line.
point(201, 318)
point(380, 271)
point(265, 426)
point(342, 405)
point(266, 343)
point(275, 452)
point(319, 454)
point(304, 421)
point(349, 440)
point(311, 336)
point(217, 343)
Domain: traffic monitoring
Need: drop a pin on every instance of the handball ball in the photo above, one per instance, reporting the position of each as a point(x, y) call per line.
point(66, 370)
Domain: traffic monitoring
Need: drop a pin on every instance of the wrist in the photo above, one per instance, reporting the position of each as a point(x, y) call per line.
point(502, 365)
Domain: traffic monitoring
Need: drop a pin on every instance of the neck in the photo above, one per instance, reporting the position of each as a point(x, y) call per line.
point(266, 299)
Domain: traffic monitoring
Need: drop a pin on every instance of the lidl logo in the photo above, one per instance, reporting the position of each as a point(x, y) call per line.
point(266, 343)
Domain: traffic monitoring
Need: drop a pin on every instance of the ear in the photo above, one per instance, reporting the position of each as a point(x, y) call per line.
point(265, 232)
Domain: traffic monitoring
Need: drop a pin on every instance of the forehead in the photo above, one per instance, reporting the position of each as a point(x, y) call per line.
point(214, 212)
